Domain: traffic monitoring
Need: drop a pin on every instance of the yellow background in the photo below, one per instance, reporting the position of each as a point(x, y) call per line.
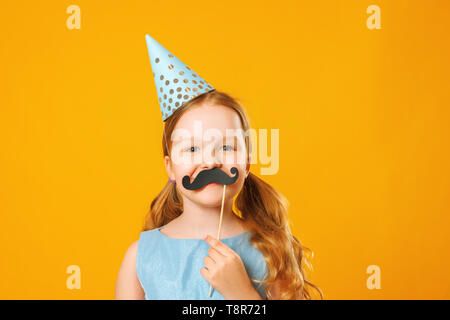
point(363, 117)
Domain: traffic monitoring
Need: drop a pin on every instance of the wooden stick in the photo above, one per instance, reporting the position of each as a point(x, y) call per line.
point(220, 225)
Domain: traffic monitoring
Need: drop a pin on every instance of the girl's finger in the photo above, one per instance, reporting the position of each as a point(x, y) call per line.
point(209, 262)
point(215, 255)
point(219, 246)
point(205, 273)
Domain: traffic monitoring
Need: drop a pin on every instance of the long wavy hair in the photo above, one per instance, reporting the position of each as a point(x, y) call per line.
point(262, 208)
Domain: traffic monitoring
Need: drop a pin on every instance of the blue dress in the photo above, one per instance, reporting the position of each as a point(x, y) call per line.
point(169, 268)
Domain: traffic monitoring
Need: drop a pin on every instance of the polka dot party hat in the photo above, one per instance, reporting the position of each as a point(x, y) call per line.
point(175, 82)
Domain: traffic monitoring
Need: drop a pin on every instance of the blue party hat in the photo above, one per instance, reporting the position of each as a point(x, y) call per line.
point(175, 82)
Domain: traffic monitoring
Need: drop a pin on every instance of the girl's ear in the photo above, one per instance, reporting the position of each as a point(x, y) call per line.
point(168, 165)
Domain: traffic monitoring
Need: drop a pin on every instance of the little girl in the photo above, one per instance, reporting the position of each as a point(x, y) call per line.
point(177, 255)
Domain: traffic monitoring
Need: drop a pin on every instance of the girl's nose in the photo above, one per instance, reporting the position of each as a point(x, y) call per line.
point(209, 157)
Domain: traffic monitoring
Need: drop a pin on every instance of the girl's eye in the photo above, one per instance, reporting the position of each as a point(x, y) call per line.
point(192, 149)
point(228, 148)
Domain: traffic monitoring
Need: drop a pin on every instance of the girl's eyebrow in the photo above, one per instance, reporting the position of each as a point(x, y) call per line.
point(225, 138)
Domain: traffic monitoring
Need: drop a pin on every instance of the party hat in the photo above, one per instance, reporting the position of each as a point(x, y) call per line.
point(175, 82)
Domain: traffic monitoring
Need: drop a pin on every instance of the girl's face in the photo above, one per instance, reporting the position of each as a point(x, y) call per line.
point(208, 136)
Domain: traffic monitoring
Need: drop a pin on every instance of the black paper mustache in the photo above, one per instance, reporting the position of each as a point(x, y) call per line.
point(208, 176)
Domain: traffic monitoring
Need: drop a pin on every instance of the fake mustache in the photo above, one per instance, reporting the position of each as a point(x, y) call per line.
point(208, 176)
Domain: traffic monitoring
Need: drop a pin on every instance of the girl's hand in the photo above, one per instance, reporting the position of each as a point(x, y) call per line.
point(226, 272)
